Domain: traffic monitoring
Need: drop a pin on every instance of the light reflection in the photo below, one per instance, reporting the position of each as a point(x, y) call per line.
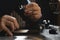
point(20, 37)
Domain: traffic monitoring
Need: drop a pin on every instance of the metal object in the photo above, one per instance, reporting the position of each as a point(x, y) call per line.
point(28, 1)
point(21, 31)
point(22, 5)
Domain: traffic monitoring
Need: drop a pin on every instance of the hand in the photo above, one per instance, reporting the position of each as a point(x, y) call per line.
point(8, 21)
point(33, 11)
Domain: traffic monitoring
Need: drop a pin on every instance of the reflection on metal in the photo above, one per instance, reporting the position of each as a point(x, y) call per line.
point(20, 37)
point(28, 1)
point(27, 38)
point(22, 31)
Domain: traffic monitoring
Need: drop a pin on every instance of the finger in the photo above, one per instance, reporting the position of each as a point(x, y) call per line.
point(36, 13)
point(11, 25)
point(8, 23)
point(16, 24)
point(28, 11)
point(13, 19)
point(6, 30)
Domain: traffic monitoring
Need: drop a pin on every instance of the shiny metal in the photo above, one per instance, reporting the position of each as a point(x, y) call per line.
point(21, 38)
point(21, 31)
point(27, 38)
point(28, 1)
